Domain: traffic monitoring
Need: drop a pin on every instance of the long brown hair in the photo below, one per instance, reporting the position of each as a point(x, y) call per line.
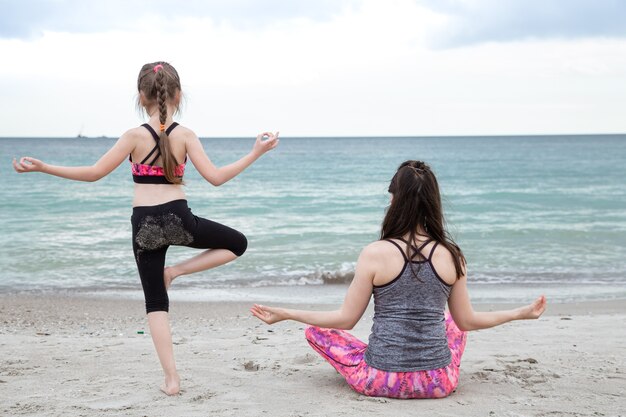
point(159, 82)
point(416, 203)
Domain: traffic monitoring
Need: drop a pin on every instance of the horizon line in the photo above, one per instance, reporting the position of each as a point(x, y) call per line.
point(512, 135)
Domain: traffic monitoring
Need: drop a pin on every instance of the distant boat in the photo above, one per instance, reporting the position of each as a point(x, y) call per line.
point(80, 133)
point(81, 136)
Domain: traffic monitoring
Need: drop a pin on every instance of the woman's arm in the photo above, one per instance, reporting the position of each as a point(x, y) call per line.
point(467, 319)
point(107, 163)
point(218, 176)
point(347, 316)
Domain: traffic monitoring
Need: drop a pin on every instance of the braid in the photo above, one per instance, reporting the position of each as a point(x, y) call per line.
point(161, 92)
point(169, 161)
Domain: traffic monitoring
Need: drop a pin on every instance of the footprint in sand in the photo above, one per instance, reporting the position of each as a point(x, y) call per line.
point(203, 397)
point(304, 359)
point(523, 372)
point(251, 366)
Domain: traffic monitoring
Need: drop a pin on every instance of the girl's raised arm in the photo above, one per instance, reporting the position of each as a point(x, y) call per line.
point(107, 163)
point(218, 176)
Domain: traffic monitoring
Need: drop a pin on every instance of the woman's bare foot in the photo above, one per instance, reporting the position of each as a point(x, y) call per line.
point(169, 274)
point(171, 386)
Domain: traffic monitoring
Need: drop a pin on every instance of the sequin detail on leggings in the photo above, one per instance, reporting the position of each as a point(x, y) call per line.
point(345, 353)
point(156, 232)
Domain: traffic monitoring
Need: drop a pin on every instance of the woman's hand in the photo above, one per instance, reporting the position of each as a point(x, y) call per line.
point(27, 164)
point(270, 315)
point(261, 146)
point(534, 310)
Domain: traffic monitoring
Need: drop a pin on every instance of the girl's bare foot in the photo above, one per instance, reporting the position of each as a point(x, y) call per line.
point(171, 386)
point(168, 276)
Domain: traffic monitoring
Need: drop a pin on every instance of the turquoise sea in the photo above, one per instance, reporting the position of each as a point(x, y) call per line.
point(532, 213)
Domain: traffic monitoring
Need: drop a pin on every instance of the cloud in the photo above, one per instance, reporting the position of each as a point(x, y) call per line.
point(479, 21)
point(30, 18)
point(365, 70)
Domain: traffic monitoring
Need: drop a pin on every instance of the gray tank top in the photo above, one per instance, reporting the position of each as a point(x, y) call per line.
point(409, 331)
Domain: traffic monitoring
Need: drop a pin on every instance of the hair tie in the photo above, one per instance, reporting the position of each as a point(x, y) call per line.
point(162, 128)
point(157, 67)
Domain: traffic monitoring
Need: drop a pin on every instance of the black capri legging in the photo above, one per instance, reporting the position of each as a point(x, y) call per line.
point(156, 228)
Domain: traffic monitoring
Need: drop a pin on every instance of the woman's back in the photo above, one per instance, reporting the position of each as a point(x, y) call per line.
point(408, 332)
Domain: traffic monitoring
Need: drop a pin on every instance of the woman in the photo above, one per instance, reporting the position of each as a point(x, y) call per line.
point(160, 214)
point(415, 268)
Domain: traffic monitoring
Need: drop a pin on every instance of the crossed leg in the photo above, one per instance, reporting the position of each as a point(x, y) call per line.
point(346, 354)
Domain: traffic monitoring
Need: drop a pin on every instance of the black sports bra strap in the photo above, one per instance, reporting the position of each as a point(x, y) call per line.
point(155, 156)
point(430, 255)
point(407, 243)
point(172, 127)
point(423, 245)
point(167, 132)
point(417, 249)
point(399, 248)
point(154, 134)
point(156, 147)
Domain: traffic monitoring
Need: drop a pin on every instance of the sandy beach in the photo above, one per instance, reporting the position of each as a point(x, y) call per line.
point(76, 356)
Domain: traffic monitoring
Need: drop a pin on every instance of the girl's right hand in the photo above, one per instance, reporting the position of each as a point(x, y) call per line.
point(269, 315)
point(27, 164)
point(261, 146)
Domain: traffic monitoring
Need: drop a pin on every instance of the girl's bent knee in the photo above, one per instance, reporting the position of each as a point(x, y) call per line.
point(240, 245)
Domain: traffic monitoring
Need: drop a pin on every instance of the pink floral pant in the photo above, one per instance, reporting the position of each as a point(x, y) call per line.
point(345, 353)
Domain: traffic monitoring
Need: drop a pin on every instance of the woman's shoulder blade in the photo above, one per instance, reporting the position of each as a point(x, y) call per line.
point(443, 263)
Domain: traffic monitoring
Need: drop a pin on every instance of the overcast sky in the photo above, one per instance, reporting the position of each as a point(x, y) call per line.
point(318, 67)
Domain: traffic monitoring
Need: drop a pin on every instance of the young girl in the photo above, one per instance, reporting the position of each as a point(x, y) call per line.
point(158, 152)
point(414, 269)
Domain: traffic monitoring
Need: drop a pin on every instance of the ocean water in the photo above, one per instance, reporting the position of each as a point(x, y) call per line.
point(532, 214)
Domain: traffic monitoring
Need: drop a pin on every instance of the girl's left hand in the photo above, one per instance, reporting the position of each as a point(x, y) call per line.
point(261, 146)
point(269, 315)
point(27, 164)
